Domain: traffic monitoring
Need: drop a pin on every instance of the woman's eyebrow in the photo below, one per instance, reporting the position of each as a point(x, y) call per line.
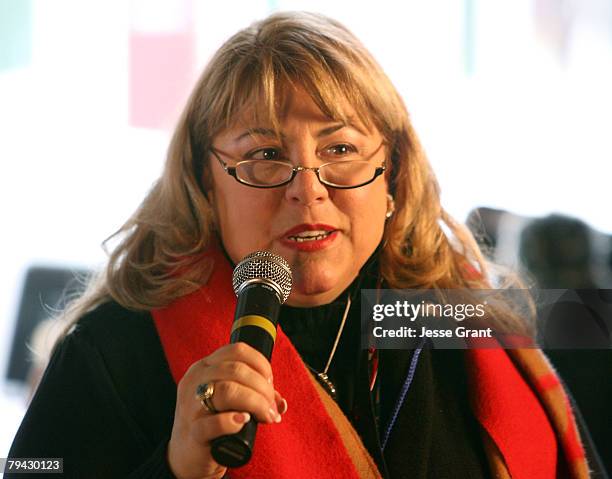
point(268, 132)
point(256, 131)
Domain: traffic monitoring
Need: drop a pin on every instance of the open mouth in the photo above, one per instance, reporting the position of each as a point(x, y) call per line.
point(310, 236)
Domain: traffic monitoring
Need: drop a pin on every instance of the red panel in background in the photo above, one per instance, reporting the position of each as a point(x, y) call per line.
point(160, 76)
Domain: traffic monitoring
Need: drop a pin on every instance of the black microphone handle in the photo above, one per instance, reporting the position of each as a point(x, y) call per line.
point(255, 323)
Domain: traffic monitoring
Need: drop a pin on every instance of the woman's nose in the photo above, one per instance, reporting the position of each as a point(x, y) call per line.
point(306, 189)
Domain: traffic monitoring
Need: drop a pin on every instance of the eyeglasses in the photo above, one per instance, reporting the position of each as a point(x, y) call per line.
point(353, 172)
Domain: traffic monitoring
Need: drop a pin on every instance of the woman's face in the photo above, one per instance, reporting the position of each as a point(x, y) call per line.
point(278, 219)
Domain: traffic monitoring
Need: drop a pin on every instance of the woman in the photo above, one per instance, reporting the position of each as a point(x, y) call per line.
point(293, 141)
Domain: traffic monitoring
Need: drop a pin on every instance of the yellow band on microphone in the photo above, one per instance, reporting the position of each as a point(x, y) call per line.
point(255, 320)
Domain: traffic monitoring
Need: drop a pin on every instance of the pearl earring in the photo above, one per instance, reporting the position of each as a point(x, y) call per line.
point(390, 206)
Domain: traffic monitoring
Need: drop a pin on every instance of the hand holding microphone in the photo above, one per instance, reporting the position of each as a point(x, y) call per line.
point(205, 442)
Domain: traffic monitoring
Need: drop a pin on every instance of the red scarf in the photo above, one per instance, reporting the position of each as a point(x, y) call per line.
point(515, 395)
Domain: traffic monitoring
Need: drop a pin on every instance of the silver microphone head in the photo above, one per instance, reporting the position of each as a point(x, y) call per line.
point(263, 267)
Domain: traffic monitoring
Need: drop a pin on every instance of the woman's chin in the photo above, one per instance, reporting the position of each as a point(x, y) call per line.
point(310, 290)
point(302, 300)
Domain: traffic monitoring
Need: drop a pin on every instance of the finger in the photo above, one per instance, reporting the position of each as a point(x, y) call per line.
point(241, 373)
point(240, 352)
point(233, 396)
point(211, 426)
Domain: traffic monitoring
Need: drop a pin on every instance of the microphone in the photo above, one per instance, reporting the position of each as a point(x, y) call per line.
point(262, 283)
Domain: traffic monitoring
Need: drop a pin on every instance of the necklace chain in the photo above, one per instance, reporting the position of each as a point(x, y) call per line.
point(322, 376)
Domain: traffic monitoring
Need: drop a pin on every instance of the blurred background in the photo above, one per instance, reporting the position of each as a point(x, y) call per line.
point(512, 101)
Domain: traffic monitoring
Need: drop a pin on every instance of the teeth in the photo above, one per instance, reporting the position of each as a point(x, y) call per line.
point(307, 234)
point(310, 236)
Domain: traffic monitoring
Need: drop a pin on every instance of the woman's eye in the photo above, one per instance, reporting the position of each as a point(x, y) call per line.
point(264, 154)
point(342, 149)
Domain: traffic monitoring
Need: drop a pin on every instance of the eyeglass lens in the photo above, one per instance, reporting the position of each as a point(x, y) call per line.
point(342, 173)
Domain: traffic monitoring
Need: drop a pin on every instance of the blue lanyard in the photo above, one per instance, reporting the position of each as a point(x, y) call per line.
point(404, 391)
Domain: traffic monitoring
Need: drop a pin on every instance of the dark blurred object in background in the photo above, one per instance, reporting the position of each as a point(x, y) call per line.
point(484, 225)
point(557, 251)
point(497, 233)
point(43, 293)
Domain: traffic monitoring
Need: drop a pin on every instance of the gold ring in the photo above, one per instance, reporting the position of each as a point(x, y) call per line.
point(204, 394)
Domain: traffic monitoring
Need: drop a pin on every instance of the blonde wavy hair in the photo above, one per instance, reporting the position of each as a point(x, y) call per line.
point(155, 259)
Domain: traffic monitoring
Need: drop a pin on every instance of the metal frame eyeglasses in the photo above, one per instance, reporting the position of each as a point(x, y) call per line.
point(232, 170)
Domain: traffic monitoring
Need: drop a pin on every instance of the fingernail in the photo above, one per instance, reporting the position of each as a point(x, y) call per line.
point(242, 417)
point(270, 379)
point(275, 416)
point(284, 406)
